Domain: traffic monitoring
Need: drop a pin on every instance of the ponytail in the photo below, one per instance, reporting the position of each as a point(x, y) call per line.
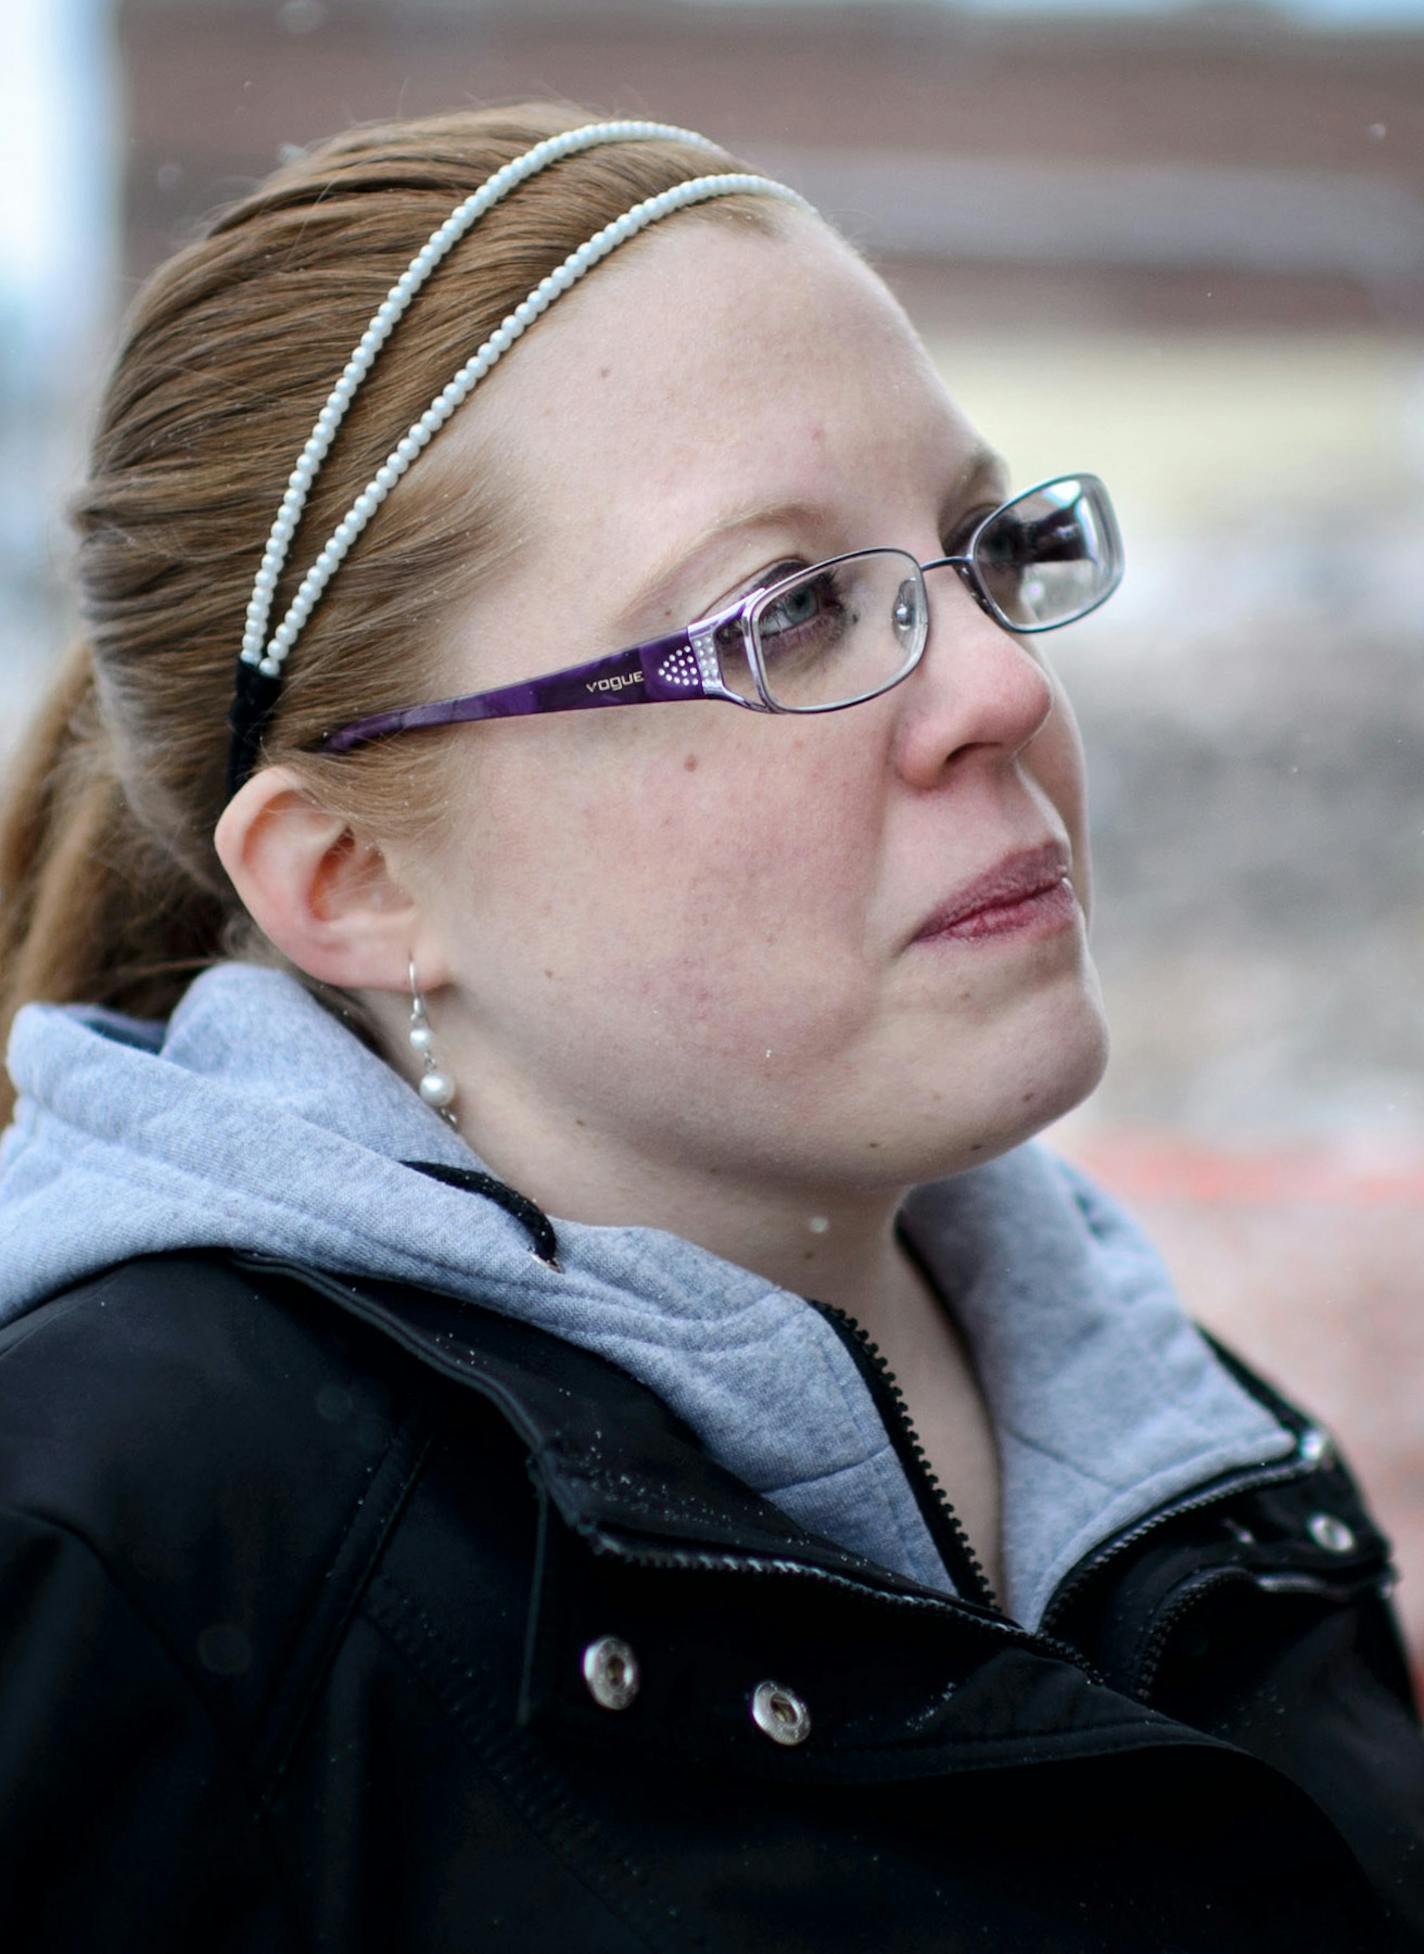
point(86, 912)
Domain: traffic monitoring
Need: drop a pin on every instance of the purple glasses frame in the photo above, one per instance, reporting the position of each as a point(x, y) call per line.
point(687, 664)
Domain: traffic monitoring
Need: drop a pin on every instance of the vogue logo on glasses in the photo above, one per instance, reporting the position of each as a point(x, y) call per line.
point(832, 635)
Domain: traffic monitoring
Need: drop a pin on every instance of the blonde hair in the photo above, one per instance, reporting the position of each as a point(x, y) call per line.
point(110, 889)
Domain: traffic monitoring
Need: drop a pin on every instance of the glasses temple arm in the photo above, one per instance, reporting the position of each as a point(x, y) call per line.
point(663, 669)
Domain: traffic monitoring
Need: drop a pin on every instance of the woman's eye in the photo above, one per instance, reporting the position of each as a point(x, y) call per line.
point(807, 618)
point(797, 606)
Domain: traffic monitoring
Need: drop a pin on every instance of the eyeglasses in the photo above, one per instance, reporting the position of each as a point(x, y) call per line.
point(830, 636)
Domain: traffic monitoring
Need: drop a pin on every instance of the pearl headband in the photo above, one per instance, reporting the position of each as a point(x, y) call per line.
point(260, 664)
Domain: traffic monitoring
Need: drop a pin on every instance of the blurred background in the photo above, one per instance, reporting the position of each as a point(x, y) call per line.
point(1180, 245)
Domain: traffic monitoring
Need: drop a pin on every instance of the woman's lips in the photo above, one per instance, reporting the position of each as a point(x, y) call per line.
point(1028, 892)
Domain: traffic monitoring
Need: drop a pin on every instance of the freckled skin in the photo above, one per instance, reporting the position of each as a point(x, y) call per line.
point(763, 893)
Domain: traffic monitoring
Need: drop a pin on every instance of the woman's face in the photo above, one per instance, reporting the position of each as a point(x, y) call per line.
point(697, 935)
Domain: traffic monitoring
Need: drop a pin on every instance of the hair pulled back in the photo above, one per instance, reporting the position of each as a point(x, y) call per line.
point(110, 889)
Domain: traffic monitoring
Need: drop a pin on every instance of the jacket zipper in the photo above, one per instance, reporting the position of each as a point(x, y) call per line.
point(1151, 1659)
point(694, 1561)
point(1248, 1481)
point(945, 1526)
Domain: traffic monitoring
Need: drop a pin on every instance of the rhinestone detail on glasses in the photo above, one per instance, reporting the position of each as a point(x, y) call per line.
point(707, 658)
point(678, 668)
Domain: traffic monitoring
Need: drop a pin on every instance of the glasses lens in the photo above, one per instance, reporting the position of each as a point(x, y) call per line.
point(841, 631)
point(1050, 555)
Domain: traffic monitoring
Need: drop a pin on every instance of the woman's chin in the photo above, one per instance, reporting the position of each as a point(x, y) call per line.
point(1006, 1096)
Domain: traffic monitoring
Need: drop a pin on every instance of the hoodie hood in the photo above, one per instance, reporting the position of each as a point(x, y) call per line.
point(254, 1120)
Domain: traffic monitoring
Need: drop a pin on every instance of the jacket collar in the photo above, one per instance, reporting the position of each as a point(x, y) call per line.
point(712, 1592)
point(619, 1468)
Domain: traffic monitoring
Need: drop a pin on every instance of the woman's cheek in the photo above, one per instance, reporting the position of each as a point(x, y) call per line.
point(1056, 762)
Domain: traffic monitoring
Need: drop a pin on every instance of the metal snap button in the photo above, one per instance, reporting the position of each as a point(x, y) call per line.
point(1331, 1534)
point(1315, 1448)
point(610, 1669)
point(780, 1714)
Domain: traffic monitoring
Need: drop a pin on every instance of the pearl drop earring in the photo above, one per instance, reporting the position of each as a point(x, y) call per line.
point(436, 1088)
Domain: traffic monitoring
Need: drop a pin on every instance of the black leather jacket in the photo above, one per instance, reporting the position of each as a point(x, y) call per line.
point(351, 1617)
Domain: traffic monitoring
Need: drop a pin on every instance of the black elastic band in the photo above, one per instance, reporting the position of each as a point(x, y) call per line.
point(528, 1213)
point(254, 699)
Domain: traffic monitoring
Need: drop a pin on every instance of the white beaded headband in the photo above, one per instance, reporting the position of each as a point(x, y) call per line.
point(262, 656)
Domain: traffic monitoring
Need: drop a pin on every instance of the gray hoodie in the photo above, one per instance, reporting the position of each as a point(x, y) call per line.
point(254, 1120)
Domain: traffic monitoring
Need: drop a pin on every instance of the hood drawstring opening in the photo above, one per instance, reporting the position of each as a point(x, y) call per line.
point(526, 1212)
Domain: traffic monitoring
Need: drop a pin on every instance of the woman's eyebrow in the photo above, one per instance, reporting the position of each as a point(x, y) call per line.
point(680, 565)
point(982, 470)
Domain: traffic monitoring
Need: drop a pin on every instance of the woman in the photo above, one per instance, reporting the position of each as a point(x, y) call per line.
point(390, 1565)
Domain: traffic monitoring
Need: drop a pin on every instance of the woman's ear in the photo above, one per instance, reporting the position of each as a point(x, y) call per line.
point(322, 893)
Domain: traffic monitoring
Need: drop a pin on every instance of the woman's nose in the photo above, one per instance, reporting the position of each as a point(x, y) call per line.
point(977, 688)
